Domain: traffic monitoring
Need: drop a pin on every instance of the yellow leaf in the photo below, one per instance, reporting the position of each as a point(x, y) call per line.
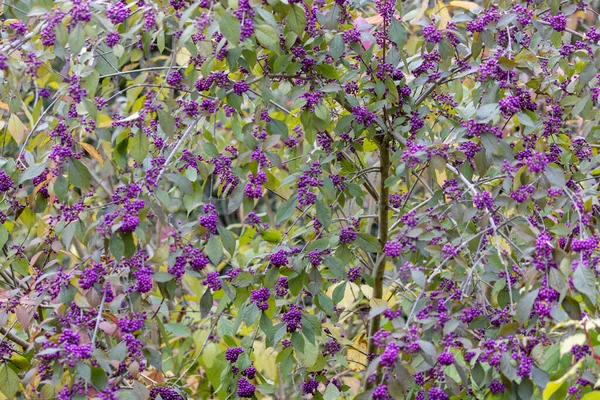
point(183, 56)
point(374, 303)
point(357, 353)
point(443, 14)
point(4, 106)
point(595, 395)
point(92, 151)
point(264, 359)
point(424, 6)
point(16, 128)
point(105, 121)
point(553, 386)
point(467, 5)
point(350, 295)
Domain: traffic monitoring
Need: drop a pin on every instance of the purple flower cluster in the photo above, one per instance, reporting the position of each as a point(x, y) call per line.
point(118, 12)
point(209, 220)
point(213, 281)
point(232, 354)
point(165, 393)
point(446, 358)
point(6, 183)
point(557, 22)
point(133, 323)
point(260, 297)
point(254, 188)
point(310, 179)
point(6, 351)
point(128, 208)
point(393, 249)
point(511, 105)
point(488, 16)
point(363, 115)
point(381, 393)
point(390, 355)
point(293, 318)
point(279, 258)
point(312, 99)
point(245, 388)
point(432, 34)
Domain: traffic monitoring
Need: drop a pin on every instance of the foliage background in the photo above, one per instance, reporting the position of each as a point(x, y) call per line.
point(301, 199)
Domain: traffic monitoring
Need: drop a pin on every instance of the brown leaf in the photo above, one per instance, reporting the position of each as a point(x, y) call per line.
point(92, 151)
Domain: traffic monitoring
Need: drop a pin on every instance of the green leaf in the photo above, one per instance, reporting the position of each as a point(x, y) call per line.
point(325, 303)
point(61, 188)
point(323, 214)
point(78, 174)
point(525, 305)
point(336, 47)
point(331, 393)
point(9, 381)
point(228, 239)
point(278, 127)
point(286, 210)
point(267, 36)
point(28, 217)
point(84, 371)
point(367, 242)
point(138, 146)
point(486, 112)
point(206, 303)
point(3, 235)
point(555, 175)
point(76, 40)
point(178, 329)
point(99, 379)
point(167, 122)
point(162, 276)
point(230, 28)
point(32, 172)
point(119, 352)
point(271, 235)
point(214, 250)
point(397, 32)
point(584, 280)
point(297, 19)
point(117, 247)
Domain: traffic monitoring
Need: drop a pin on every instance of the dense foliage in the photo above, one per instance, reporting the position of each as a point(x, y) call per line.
point(299, 199)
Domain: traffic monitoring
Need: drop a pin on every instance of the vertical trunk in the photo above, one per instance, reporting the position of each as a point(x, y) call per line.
point(384, 157)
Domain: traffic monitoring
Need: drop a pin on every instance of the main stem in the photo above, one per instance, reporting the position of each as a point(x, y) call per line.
point(384, 158)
